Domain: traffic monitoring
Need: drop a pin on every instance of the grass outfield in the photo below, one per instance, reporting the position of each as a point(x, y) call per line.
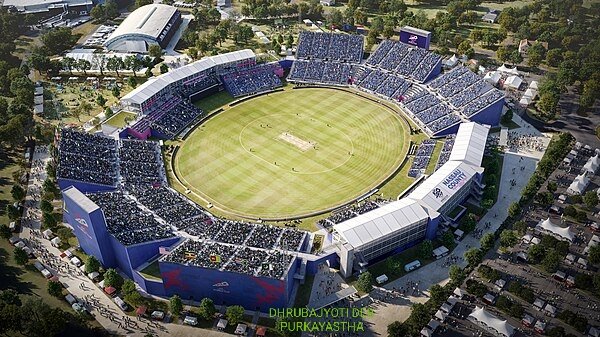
point(292, 153)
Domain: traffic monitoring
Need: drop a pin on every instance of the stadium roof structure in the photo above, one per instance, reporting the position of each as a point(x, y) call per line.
point(154, 85)
point(380, 222)
point(502, 327)
point(81, 199)
point(548, 226)
point(147, 22)
point(469, 143)
point(40, 6)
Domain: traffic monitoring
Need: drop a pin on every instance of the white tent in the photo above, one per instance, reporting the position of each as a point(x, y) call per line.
point(525, 101)
point(505, 69)
point(549, 227)
point(55, 242)
point(592, 164)
point(513, 82)
point(579, 184)
point(492, 77)
point(532, 93)
point(533, 85)
point(490, 322)
point(451, 62)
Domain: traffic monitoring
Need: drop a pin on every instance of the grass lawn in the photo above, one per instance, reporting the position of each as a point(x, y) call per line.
point(214, 101)
point(266, 157)
point(118, 120)
point(8, 166)
point(151, 271)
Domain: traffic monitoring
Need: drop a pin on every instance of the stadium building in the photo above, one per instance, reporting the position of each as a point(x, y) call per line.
point(147, 25)
point(51, 7)
point(396, 226)
point(118, 202)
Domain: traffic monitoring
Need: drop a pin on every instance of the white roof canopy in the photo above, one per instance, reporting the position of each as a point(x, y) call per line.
point(380, 222)
point(579, 184)
point(485, 318)
point(492, 77)
point(592, 164)
point(513, 82)
point(549, 226)
point(469, 144)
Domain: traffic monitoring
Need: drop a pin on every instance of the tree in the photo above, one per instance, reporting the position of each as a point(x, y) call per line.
point(134, 298)
point(388, 31)
point(140, 3)
point(58, 40)
point(108, 113)
point(503, 53)
point(520, 227)
point(115, 64)
point(514, 209)
point(133, 63)
point(5, 232)
point(17, 192)
point(69, 63)
point(100, 100)
point(487, 241)
point(552, 186)
point(534, 58)
point(473, 256)
point(48, 220)
point(164, 68)
point(426, 249)
point(20, 256)
point(175, 305)
point(234, 314)
point(397, 329)
point(515, 57)
point(128, 287)
point(365, 282)
point(554, 57)
point(290, 41)
point(448, 239)
point(508, 238)
point(84, 65)
point(64, 234)
point(455, 273)
point(55, 288)
point(116, 91)
point(42, 320)
point(464, 48)
point(155, 51)
point(97, 13)
point(113, 279)
point(38, 60)
point(594, 254)
point(92, 264)
point(590, 198)
point(551, 260)
point(207, 308)
point(335, 17)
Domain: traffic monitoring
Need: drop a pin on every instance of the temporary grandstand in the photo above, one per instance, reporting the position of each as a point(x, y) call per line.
point(404, 74)
point(400, 224)
point(147, 25)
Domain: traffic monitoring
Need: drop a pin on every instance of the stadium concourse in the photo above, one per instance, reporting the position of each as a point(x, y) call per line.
point(122, 210)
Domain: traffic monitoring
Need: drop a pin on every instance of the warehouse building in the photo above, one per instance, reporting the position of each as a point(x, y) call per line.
point(147, 25)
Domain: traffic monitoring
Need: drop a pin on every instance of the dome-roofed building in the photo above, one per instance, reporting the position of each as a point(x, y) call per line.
point(147, 25)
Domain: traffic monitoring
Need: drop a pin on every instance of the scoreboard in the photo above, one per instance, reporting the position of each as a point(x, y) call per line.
point(415, 37)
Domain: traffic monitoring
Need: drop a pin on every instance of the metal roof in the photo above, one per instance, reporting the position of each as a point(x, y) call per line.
point(81, 199)
point(380, 222)
point(154, 85)
point(148, 21)
point(469, 144)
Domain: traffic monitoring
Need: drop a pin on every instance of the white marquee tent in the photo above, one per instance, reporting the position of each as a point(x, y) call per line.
point(513, 82)
point(578, 185)
point(549, 227)
point(490, 322)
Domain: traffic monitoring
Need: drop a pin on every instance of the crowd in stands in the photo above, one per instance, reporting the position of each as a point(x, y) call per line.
point(430, 111)
point(446, 150)
point(141, 162)
point(330, 47)
point(421, 159)
point(464, 89)
point(251, 81)
point(126, 221)
point(320, 72)
point(400, 58)
point(264, 237)
point(169, 117)
point(291, 239)
point(244, 260)
point(350, 212)
point(198, 84)
point(234, 232)
point(86, 157)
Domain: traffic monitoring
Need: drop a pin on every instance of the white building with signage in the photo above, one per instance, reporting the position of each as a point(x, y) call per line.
point(398, 225)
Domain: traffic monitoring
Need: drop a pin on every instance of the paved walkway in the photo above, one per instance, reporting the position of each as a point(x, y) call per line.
point(417, 282)
point(104, 310)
